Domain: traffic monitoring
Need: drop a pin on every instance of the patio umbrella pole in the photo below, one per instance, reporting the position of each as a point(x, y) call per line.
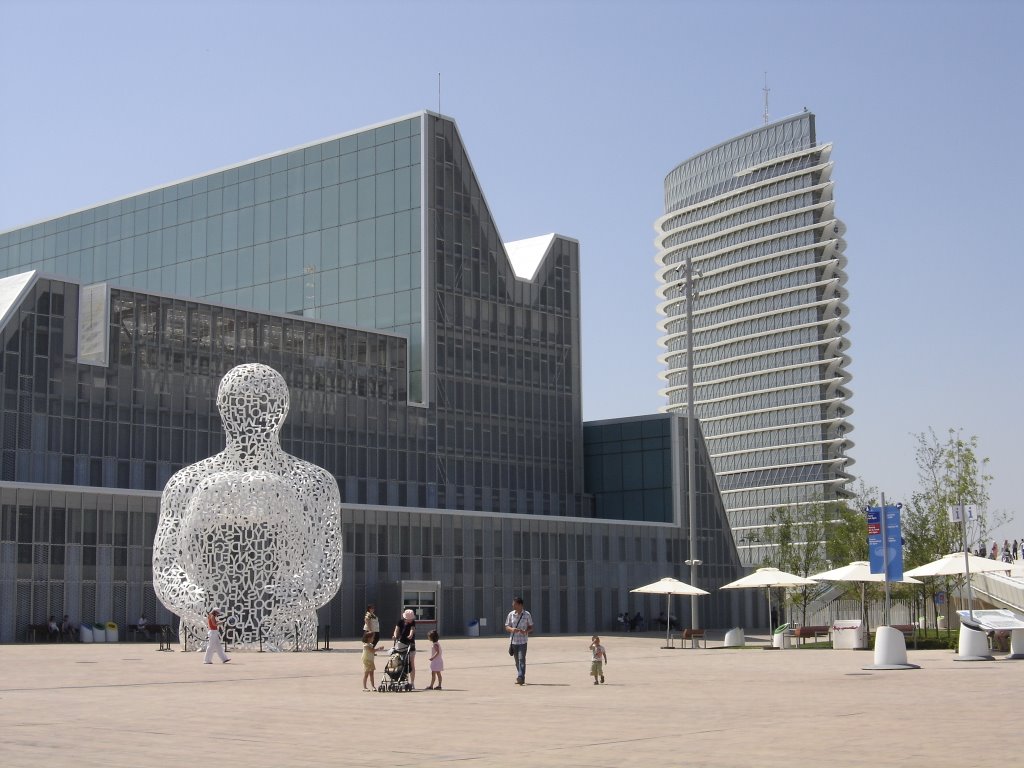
point(668, 617)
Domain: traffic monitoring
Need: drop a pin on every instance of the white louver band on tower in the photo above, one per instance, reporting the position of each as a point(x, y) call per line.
point(755, 217)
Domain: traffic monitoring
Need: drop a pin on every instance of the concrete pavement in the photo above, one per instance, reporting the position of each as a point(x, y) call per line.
point(130, 705)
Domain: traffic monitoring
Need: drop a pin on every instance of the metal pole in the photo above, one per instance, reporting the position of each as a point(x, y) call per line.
point(885, 562)
point(691, 470)
point(963, 528)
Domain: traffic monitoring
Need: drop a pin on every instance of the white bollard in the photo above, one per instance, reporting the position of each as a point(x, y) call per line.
point(735, 638)
point(973, 645)
point(890, 650)
point(1016, 644)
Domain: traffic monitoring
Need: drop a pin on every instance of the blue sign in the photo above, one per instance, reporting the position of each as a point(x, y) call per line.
point(893, 541)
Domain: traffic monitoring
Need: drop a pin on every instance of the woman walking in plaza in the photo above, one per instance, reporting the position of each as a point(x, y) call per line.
point(213, 641)
point(405, 632)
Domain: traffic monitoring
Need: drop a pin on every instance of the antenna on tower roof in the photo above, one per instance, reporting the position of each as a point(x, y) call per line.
point(766, 89)
point(439, 93)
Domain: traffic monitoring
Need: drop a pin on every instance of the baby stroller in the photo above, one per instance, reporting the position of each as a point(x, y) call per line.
point(396, 671)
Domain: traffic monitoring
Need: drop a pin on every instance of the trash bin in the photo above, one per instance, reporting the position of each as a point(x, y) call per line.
point(780, 637)
point(85, 633)
point(111, 632)
point(849, 634)
point(473, 628)
point(99, 633)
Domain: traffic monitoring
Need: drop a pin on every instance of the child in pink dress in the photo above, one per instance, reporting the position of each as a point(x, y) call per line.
point(436, 661)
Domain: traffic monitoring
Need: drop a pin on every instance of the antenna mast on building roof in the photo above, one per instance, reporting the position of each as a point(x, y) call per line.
point(439, 93)
point(766, 89)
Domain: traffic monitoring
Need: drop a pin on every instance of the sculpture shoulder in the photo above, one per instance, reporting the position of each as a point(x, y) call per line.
point(316, 477)
point(185, 480)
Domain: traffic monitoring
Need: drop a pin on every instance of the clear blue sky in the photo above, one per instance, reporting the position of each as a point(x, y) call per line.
point(573, 112)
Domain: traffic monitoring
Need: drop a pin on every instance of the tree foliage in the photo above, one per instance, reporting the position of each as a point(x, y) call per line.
point(950, 472)
point(795, 543)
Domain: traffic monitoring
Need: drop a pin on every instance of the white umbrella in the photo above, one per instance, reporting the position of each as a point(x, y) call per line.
point(953, 565)
point(859, 571)
point(668, 587)
point(768, 578)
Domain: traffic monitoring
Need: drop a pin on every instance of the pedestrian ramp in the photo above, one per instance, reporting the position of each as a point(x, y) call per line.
point(1001, 590)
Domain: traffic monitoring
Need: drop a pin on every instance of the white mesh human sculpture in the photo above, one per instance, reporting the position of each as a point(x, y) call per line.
point(251, 531)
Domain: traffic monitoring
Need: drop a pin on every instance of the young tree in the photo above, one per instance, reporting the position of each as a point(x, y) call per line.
point(796, 543)
point(950, 472)
point(846, 531)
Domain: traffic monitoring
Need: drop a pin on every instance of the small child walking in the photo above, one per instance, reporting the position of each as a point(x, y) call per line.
point(598, 659)
point(369, 664)
point(436, 661)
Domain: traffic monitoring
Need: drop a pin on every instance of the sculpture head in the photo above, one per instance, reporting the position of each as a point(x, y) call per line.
point(253, 401)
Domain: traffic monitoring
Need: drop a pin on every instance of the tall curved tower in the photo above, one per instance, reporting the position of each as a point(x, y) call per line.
point(754, 218)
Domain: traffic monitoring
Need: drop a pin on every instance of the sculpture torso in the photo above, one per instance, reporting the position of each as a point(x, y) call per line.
point(252, 531)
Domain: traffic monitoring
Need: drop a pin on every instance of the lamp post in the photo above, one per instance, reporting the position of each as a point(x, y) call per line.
point(686, 271)
point(963, 526)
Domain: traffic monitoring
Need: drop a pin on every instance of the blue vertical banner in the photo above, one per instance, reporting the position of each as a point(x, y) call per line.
point(893, 538)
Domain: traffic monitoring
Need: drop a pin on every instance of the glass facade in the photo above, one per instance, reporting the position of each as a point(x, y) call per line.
point(332, 230)
point(87, 448)
point(755, 217)
point(438, 386)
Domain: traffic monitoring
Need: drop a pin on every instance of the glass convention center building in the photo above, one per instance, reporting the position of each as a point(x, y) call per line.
point(433, 369)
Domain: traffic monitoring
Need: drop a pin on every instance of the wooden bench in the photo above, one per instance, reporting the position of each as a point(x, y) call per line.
point(810, 631)
point(694, 636)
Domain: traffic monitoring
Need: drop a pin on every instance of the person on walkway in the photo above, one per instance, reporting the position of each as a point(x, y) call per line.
point(213, 642)
point(52, 629)
point(371, 623)
point(598, 658)
point(519, 625)
point(369, 663)
point(67, 629)
point(405, 632)
point(436, 660)
point(1016, 549)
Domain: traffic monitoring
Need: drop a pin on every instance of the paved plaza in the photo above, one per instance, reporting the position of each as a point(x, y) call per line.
point(128, 704)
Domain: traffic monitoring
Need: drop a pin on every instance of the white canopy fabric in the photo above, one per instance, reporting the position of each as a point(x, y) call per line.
point(953, 565)
point(768, 578)
point(858, 571)
point(668, 587)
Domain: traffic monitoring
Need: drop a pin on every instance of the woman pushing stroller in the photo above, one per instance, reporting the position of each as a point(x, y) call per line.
point(405, 633)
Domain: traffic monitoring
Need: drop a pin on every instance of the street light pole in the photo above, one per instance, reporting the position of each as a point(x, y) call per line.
point(691, 421)
point(963, 526)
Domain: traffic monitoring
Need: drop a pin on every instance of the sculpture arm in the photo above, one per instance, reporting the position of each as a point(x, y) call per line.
point(173, 586)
